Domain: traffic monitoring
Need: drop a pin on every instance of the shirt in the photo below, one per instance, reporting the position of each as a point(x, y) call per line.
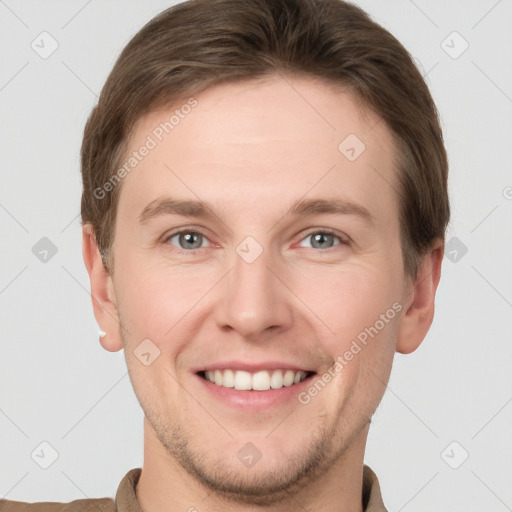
point(126, 500)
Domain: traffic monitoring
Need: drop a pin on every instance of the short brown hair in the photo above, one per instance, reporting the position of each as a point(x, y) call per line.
point(200, 43)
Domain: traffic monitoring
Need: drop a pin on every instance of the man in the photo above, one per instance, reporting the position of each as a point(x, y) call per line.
point(264, 207)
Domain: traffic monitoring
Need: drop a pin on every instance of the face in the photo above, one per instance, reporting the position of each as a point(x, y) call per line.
point(258, 247)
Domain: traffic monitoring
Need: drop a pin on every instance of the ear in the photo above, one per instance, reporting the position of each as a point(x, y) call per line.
point(419, 301)
point(102, 292)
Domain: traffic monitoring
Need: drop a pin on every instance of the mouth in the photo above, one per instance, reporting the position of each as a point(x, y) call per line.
point(262, 380)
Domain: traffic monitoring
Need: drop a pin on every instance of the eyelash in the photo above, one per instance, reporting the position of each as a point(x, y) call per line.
point(344, 240)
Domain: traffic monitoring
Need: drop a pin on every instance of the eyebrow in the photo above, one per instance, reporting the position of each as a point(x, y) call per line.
point(301, 207)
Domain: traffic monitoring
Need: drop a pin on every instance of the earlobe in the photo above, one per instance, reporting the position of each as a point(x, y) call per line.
point(102, 294)
point(419, 300)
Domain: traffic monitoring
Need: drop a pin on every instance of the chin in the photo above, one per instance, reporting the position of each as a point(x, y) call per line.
point(253, 469)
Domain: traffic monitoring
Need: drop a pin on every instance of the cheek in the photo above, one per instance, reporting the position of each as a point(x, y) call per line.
point(349, 301)
point(155, 299)
point(362, 311)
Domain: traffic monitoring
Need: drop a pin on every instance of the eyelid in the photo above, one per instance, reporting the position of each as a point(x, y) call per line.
point(183, 229)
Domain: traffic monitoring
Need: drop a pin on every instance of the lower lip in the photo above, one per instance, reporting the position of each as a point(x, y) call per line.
point(254, 400)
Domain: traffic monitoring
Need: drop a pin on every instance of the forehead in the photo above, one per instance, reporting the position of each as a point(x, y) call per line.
point(243, 141)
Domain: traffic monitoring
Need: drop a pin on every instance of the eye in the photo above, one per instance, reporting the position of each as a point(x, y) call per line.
point(187, 240)
point(324, 239)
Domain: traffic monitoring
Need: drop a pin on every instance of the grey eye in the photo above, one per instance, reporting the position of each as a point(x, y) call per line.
point(188, 240)
point(322, 240)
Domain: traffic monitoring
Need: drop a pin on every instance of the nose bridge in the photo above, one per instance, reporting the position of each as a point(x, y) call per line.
point(253, 299)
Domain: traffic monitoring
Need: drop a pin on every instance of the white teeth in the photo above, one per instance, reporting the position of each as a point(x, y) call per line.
point(228, 379)
point(259, 381)
point(242, 381)
point(276, 381)
point(288, 378)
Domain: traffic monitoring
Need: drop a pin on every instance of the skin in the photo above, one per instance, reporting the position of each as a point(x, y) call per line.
point(250, 150)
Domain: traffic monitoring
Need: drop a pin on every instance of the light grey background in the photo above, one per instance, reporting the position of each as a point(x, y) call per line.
point(59, 386)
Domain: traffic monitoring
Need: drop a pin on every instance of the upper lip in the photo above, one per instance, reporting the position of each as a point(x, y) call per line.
point(252, 367)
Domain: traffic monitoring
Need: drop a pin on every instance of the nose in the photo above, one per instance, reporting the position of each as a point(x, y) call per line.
point(253, 299)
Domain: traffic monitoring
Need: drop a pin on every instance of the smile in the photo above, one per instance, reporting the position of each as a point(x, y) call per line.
point(263, 380)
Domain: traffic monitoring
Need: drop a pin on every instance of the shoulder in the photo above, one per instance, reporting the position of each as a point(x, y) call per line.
point(372, 497)
point(89, 505)
point(125, 500)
